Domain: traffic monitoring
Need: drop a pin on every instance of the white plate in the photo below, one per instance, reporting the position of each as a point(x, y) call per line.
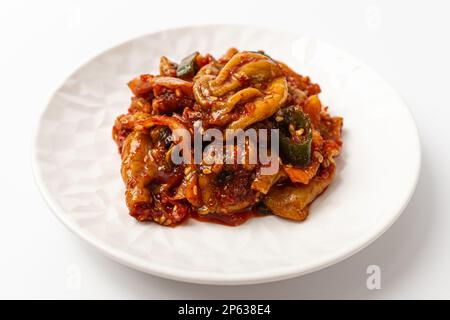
point(77, 165)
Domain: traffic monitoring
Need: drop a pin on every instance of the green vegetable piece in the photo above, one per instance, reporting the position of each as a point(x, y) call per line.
point(295, 137)
point(188, 66)
point(264, 54)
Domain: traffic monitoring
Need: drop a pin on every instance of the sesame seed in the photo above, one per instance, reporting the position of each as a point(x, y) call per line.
point(279, 118)
point(318, 156)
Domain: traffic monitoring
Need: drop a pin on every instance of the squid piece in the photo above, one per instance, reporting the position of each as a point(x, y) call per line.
point(247, 78)
point(140, 121)
point(148, 178)
point(137, 171)
point(128, 121)
point(144, 84)
point(171, 94)
point(264, 107)
point(241, 67)
point(227, 192)
point(188, 188)
point(292, 201)
point(172, 123)
point(174, 83)
point(263, 183)
point(167, 68)
point(228, 55)
point(123, 126)
point(141, 86)
point(167, 94)
point(239, 97)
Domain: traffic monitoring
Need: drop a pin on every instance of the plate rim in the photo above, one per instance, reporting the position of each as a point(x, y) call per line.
point(216, 278)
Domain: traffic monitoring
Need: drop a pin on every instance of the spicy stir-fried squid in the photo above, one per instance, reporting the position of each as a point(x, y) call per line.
point(240, 90)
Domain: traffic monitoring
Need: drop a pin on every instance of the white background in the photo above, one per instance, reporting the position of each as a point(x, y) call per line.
point(44, 41)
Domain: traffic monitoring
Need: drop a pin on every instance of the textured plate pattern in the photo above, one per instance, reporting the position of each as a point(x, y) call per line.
point(77, 164)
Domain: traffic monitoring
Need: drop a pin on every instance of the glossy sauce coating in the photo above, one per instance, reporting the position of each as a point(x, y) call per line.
point(239, 90)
